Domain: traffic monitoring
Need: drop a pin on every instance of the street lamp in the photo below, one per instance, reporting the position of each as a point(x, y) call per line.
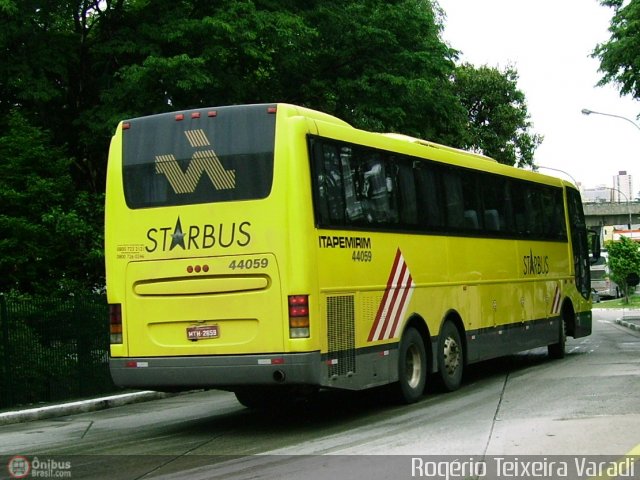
point(626, 198)
point(586, 111)
point(537, 167)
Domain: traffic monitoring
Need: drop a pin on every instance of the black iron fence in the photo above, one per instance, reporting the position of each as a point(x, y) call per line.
point(53, 349)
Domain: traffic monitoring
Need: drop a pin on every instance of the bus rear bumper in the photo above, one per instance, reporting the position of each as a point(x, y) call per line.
point(182, 373)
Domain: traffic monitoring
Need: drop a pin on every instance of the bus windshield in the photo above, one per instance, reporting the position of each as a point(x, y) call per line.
point(199, 156)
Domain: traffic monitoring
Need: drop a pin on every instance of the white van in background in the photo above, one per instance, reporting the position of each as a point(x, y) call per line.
point(600, 281)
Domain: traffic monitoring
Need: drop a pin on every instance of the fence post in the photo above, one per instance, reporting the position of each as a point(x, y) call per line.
point(6, 392)
point(83, 344)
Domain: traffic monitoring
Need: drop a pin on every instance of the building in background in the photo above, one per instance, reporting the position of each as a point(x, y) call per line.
point(620, 192)
point(623, 187)
point(599, 194)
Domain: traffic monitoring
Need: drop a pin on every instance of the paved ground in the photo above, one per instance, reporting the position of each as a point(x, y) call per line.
point(629, 318)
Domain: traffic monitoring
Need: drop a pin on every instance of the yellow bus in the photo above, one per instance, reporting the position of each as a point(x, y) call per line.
point(272, 249)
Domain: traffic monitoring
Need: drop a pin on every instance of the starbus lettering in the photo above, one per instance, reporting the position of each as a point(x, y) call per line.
point(535, 264)
point(198, 237)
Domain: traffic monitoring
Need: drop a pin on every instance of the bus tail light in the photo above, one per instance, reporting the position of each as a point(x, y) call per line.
point(115, 322)
point(299, 316)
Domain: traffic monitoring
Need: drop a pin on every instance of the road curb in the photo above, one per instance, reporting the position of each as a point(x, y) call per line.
point(624, 323)
point(80, 406)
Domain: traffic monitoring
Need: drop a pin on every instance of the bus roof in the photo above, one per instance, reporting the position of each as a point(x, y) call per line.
point(491, 165)
point(427, 143)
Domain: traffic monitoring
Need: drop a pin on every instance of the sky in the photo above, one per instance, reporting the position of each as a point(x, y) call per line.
point(549, 43)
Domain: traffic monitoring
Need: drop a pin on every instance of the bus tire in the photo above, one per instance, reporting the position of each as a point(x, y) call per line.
point(450, 356)
point(251, 398)
point(262, 397)
point(412, 366)
point(265, 397)
point(557, 350)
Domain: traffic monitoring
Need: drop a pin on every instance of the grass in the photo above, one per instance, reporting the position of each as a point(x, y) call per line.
point(634, 302)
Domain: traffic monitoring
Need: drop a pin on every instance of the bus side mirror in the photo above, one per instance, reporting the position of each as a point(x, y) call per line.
point(594, 245)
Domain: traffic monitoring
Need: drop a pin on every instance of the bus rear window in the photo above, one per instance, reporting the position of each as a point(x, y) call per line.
point(199, 156)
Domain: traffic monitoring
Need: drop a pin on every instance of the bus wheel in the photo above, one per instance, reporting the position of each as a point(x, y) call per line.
point(271, 398)
point(556, 350)
point(412, 366)
point(450, 356)
point(252, 397)
point(263, 397)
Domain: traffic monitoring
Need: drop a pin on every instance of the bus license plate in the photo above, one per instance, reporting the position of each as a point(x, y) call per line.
point(207, 331)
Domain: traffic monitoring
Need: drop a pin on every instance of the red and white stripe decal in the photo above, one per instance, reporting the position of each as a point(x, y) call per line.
point(394, 302)
point(555, 307)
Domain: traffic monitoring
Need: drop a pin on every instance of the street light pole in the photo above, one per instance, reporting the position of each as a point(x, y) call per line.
point(586, 111)
point(626, 198)
point(536, 167)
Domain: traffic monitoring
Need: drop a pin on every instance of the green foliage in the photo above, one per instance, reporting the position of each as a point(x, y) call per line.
point(383, 67)
point(620, 55)
point(624, 259)
point(632, 302)
point(378, 65)
point(34, 177)
point(74, 68)
point(44, 223)
point(499, 125)
point(55, 345)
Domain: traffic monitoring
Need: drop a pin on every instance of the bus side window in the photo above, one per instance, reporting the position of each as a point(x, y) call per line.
point(405, 190)
point(331, 205)
point(522, 224)
point(377, 188)
point(536, 209)
point(495, 203)
point(473, 220)
point(429, 195)
point(553, 212)
point(454, 200)
point(351, 182)
point(508, 209)
point(461, 193)
point(560, 224)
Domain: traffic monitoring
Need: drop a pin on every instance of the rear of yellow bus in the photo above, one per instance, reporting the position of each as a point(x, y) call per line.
point(206, 272)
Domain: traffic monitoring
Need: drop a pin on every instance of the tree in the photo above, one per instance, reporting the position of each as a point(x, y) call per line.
point(624, 260)
point(383, 67)
point(620, 55)
point(34, 177)
point(49, 241)
point(498, 120)
point(74, 68)
point(379, 65)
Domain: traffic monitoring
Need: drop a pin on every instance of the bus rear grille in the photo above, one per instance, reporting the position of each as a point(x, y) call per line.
point(340, 328)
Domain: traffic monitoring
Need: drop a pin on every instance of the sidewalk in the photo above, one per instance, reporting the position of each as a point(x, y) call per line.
point(627, 317)
point(80, 406)
point(630, 319)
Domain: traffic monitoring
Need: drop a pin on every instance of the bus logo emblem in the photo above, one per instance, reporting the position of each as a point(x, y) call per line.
point(202, 161)
point(395, 301)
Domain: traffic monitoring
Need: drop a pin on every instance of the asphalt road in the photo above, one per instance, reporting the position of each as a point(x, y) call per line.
point(526, 404)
